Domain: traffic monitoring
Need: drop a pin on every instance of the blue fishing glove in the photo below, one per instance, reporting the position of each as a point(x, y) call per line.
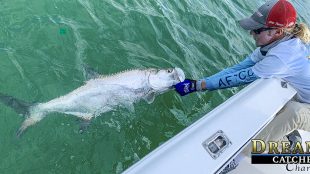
point(186, 87)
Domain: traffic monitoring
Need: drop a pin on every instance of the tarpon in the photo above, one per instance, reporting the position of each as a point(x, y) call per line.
point(99, 95)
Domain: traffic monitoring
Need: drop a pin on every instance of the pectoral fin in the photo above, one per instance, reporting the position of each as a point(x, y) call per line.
point(149, 98)
point(84, 125)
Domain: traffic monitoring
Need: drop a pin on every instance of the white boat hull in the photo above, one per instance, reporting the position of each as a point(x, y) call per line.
point(240, 118)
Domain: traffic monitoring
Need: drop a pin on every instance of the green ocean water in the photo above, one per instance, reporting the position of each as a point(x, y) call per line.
point(45, 44)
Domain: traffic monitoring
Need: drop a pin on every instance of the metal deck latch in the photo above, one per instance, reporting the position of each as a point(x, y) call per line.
point(216, 144)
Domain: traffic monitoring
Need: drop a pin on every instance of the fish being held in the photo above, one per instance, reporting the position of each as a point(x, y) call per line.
point(100, 95)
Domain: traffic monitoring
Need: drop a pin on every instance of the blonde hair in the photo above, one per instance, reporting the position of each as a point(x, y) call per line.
point(300, 31)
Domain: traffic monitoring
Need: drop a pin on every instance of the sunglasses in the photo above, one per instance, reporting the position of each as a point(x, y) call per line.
point(258, 31)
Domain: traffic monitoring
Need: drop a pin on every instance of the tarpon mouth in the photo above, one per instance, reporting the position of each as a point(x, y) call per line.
point(180, 74)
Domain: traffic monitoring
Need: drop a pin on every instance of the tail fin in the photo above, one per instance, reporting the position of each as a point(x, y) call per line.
point(20, 107)
point(33, 119)
point(23, 108)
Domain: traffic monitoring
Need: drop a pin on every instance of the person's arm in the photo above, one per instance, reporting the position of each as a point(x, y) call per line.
point(229, 75)
point(225, 75)
point(237, 78)
point(247, 62)
point(270, 66)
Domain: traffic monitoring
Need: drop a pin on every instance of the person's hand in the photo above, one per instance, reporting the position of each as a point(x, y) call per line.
point(186, 87)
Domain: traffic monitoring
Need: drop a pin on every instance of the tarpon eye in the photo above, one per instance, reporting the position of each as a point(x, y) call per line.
point(169, 70)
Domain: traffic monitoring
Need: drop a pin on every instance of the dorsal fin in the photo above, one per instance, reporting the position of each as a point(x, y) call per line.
point(119, 73)
point(90, 73)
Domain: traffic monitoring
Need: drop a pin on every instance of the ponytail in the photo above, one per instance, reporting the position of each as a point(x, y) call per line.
point(300, 31)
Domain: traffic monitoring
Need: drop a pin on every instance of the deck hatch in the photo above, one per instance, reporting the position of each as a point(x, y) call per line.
point(216, 144)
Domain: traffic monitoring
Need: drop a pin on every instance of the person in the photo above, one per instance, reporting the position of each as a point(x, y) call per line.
point(281, 53)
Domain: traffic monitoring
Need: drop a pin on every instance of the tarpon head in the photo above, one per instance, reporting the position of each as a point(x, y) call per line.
point(162, 80)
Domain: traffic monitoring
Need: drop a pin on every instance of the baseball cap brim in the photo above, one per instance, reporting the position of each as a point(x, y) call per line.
point(250, 24)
